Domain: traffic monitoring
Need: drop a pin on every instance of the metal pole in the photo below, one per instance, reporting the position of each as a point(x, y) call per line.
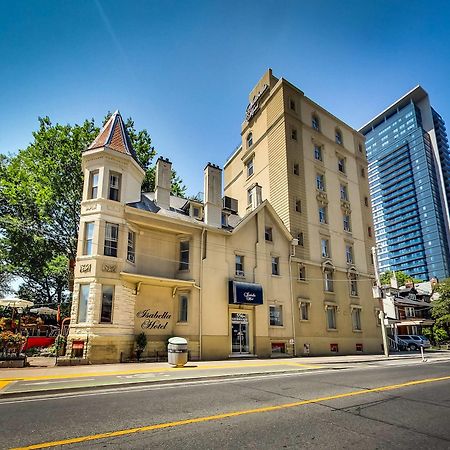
point(384, 334)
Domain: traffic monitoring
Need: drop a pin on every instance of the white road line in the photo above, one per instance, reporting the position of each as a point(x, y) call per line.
point(69, 380)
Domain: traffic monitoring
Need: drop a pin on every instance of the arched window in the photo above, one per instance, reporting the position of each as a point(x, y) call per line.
point(249, 139)
point(315, 122)
point(338, 136)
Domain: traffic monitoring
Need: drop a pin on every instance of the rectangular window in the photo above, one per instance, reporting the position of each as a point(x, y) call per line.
point(93, 184)
point(328, 281)
point(275, 265)
point(249, 166)
point(239, 265)
point(410, 311)
point(301, 272)
point(292, 104)
point(183, 301)
point(331, 317)
point(366, 201)
point(320, 182)
point(114, 186)
point(296, 169)
point(347, 224)
point(111, 239)
point(318, 152)
point(344, 192)
point(349, 254)
point(107, 304)
point(88, 238)
point(304, 310)
point(353, 285)
point(363, 172)
point(301, 239)
point(356, 319)
point(294, 134)
point(249, 197)
point(276, 316)
point(325, 248)
point(184, 255)
point(298, 206)
point(315, 123)
point(369, 231)
point(341, 165)
point(131, 248)
point(83, 302)
point(323, 214)
point(268, 234)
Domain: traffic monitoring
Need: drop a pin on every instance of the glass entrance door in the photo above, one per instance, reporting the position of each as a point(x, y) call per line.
point(239, 333)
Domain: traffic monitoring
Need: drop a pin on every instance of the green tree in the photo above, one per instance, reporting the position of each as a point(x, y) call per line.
point(441, 310)
point(402, 278)
point(40, 195)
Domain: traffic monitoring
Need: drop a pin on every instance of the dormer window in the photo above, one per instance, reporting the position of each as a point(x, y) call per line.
point(114, 186)
point(249, 139)
point(196, 211)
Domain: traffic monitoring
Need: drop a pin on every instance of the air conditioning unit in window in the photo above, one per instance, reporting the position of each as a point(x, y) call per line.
point(230, 203)
point(240, 273)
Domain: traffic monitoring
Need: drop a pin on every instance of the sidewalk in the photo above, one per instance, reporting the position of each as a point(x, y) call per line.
point(37, 380)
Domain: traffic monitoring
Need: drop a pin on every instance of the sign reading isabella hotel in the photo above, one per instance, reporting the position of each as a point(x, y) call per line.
point(153, 320)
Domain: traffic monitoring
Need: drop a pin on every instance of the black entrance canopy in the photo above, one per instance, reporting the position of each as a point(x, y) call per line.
point(240, 293)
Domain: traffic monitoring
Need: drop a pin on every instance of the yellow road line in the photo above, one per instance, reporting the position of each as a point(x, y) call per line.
point(160, 426)
point(4, 383)
point(161, 369)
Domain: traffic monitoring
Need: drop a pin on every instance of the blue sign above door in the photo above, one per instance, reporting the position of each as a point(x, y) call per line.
point(240, 293)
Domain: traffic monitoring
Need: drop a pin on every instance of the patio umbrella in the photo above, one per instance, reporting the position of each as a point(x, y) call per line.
point(44, 310)
point(15, 302)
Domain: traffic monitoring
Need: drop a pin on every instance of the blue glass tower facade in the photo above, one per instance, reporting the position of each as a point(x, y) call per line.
point(409, 175)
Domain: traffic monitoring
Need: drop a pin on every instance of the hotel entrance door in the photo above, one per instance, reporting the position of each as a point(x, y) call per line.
point(239, 333)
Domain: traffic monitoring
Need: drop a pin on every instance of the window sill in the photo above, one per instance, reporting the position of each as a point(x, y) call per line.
point(184, 270)
point(334, 330)
point(276, 326)
point(304, 320)
point(183, 324)
point(357, 331)
point(302, 281)
point(329, 292)
point(250, 176)
point(276, 275)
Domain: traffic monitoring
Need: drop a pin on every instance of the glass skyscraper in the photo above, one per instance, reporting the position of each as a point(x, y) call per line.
point(409, 178)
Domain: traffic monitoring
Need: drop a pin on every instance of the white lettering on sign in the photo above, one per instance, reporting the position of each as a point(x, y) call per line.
point(249, 296)
point(239, 317)
point(253, 106)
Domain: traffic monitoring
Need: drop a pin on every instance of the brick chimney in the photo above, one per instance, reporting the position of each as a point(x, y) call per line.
point(163, 182)
point(213, 195)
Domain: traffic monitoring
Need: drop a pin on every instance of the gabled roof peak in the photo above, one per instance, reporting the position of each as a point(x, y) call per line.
point(114, 135)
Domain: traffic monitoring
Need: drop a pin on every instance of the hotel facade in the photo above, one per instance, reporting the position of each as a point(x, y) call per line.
point(236, 275)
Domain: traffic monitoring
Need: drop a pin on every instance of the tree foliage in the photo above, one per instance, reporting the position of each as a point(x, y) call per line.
point(402, 278)
point(40, 194)
point(441, 307)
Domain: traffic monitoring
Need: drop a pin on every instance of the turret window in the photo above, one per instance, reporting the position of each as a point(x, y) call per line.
point(111, 239)
point(93, 184)
point(88, 238)
point(131, 248)
point(114, 186)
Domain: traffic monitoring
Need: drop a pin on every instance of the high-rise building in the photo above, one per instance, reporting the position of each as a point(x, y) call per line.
point(409, 177)
point(312, 168)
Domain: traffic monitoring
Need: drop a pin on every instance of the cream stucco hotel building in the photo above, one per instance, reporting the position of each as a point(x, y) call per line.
point(280, 265)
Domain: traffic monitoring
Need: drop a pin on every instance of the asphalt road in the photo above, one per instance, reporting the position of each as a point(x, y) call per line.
point(330, 408)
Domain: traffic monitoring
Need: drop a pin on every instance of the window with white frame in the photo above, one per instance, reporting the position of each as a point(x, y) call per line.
point(83, 299)
point(356, 319)
point(249, 139)
point(318, 153)
point(323, 214)
point(325, 248)
point(331, 317)
point(349, 253)
point(410, 311)
point(320, 182)
point(184, 255)
point(88, 238)
point(347, 223)
point(276, 315)
point(249, 197)
point(131, 246)
point(93, 184)
point(275, 265)
point(304, 310)
point(239, 265)
point(353, 284)
point(301, 272)
point(114, 186)
point(107, 304)
point(328, 280)
point(344, 192)
point(249, 167)
point(183, 302)
point(111, 239)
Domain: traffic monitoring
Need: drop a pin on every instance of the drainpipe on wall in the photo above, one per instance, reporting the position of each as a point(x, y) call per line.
point(292, 304)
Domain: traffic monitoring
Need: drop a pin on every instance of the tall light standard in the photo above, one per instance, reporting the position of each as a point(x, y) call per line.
point(379, 296)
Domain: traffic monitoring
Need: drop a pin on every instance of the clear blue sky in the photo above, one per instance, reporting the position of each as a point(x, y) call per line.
point(183, 69)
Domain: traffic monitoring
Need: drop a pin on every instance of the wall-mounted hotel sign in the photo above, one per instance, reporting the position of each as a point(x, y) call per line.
point(240, 293)
point(154, 319)
point(253, 106)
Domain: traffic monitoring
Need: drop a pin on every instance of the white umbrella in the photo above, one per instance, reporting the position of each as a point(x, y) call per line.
point(15, 302)
point(44, 310)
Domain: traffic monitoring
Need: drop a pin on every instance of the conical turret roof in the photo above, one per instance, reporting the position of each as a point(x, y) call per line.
point(114, 135)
